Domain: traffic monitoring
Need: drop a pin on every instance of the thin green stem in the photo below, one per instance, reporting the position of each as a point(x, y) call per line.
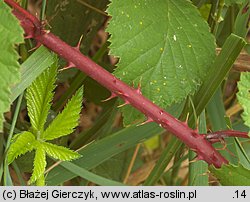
point(19, 174)
point(198, 169)
point(92, 7)
point(43, 9)
point(18, 106)
point(24, 4)
point(177, 164)
point(217, 18)
point(212, 15)
point(232, 18)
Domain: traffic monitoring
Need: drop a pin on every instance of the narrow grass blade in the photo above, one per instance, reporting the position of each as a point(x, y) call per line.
point(222, 64)
point(31, 69)
point(242, 21)
point(216, 114)
point(242, 154)
point(77, 170)
point(7, 177)
point(19, 174)
point(198, 170)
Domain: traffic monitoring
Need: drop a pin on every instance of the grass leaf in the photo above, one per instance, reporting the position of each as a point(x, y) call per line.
point(89, 176)
point(40, 60)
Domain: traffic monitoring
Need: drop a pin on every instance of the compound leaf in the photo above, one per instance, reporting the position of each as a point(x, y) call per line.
point(22, 143)
point(39, 96)
point(230, 175)
point(244, 96)
point(39, 164)
point(11, 33)
point(165, 44)
point(67, 120)
point(59, 152)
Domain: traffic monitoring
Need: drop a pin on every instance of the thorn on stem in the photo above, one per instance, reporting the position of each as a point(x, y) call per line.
point(113, 95)
point(79, 43)
point(186, 121)
point(124, 104)
point(68, 66)
point(149, 120)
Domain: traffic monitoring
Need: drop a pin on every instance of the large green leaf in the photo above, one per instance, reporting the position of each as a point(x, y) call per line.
point(59, 152)
point(244, 96)
point(39, 96)
point(22, 143)
point(39, 164)
point(165, 44)
point(11, 33)
point(231, 175)
point(66, 121)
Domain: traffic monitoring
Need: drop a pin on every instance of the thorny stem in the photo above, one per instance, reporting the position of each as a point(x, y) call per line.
point(190, 137)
